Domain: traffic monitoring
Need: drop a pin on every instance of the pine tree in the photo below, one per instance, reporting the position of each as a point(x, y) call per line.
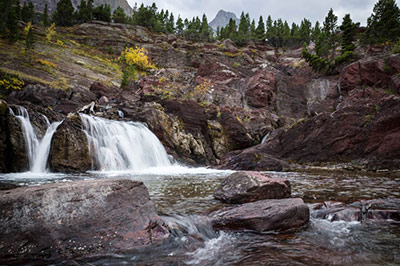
point(316, 31)
point(330, 29)
point(305, 31)
point(11, 26)
point(252, 30)
point(243, 33)
point(102, 13)
point(119, 15)
point(384, 24)
point(260, 30)
point(64, 14)
point(31, 11)
point(347, 37)
point(270, 30)
point(45, 17)
point(179, 26)
point(29, 42)
point(24, 13)
point(205, 32)
point(294, 34)
point(170, 24)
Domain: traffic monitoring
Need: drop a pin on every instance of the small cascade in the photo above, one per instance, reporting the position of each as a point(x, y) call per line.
point(37, 149)
point(123, 145)
point(264, 139)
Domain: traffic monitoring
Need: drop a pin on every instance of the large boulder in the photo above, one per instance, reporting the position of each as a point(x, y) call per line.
point(264, 215)
point(242, 187)
point(69, 150)
point(71, 219)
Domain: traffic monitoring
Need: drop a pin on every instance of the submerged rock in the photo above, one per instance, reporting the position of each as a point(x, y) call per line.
point(264, 215)
point(71, 219)
point(242, 187)
point(357, 212)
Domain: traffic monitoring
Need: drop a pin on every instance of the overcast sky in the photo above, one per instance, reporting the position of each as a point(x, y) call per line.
point(290, 10)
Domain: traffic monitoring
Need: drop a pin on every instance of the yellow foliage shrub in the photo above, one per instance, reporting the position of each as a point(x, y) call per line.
point(11, 83)
point(137, 57)
point(50, 31)
point(229, 54)
point(27, 27)
point(46, 63)
point(202, 88)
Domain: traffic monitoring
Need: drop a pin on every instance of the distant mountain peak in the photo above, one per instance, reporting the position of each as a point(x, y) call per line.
point(222, 19)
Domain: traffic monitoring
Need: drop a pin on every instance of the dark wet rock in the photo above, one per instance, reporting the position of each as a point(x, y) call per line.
point(39, 95)
point(100, 89)
point(265, 215)
point(16, 156)
point(69, 150)
point(7, 186)
point(238, 134)
point(364, 211)
point(71, 219)
point(242, 187)
point(251, 159)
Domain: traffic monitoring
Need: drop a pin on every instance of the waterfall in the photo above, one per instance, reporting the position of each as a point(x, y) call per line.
point(123, 145)
point(37, 149)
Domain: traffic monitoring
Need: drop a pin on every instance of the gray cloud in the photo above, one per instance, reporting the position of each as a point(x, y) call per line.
point(290, 10)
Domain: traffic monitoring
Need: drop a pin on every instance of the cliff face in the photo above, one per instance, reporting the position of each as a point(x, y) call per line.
point(52, 4)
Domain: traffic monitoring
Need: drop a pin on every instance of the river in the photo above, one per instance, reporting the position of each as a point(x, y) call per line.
point(184, 198)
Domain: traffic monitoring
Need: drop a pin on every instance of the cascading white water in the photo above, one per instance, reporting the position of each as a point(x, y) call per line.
point(123, 145)
point(42, 152)
point(37, 149)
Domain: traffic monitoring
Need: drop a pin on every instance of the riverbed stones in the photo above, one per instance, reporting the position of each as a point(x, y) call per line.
point(261, 216)
point(71, 219)
point(248, 186)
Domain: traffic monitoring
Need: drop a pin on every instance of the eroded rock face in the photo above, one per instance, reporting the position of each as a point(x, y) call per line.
point(264, 215)
point(69, 150)
point(243, 187)
point(375, 72)
point(367, 130)
point(71, 219)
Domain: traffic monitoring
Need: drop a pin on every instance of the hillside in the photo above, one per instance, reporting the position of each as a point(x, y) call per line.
point(204, 100)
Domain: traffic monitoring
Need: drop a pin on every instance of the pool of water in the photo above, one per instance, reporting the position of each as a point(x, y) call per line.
point(184, 198)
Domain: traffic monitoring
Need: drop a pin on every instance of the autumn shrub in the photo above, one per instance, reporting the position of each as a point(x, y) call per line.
point(137, 57)
point(9, 82)
point(50, 32)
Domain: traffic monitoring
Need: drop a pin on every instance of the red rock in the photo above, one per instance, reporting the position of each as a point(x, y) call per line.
point(260, 90)
point(366, 130)
point(242, 187)
point(372, 72)
point(265, 215)
point(71, 219)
